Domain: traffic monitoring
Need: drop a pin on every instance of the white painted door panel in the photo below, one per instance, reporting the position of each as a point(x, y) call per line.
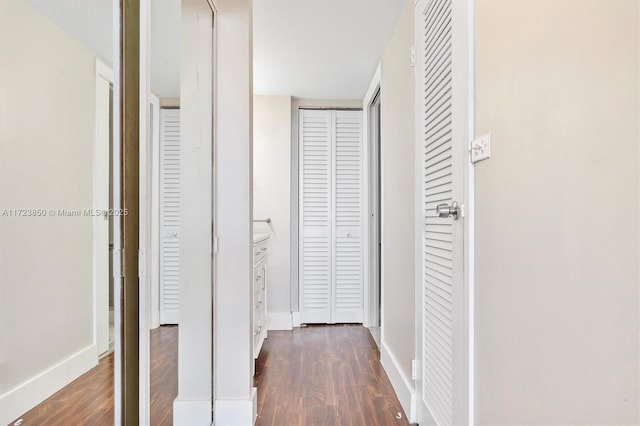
point(330, 246)
point(169, 215)
point(348, 250)
point(315, 216)
point(442, 120)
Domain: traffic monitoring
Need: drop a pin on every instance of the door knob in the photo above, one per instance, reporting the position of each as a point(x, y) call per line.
point(446, 210)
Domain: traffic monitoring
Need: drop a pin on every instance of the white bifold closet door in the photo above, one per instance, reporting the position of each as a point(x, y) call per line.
point(330, 216)
point(169, 215)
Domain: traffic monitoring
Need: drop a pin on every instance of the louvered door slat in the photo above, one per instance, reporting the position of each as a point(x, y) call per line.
point(315, 216)
point(169, 215)
point(348, 276)
point(331, 269)
point(437, 256)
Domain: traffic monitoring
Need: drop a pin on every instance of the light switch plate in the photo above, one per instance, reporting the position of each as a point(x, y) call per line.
point(481, 148)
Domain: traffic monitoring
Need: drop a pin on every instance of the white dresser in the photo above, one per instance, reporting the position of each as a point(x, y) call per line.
point(260, 254)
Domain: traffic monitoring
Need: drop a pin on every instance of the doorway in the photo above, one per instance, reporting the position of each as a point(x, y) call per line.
point(330, 216)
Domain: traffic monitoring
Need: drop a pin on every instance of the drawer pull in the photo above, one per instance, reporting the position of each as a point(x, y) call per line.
point(258, 330)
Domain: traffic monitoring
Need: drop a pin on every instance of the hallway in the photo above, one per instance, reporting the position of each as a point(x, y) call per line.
point(314, 375)
point(88, 400)
point(324, 375)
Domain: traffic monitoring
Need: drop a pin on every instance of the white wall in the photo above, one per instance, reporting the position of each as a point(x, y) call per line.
point(234, 393)
point(557, 212)
point(272, 199)
point(195, 376)
point(47, 91)
point(398, 203)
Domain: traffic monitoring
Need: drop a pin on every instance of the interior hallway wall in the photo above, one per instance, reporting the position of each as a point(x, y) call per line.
point(272, 199)
point(47, 104)
point(398, 202)
point(557, 212)
point(235, 397)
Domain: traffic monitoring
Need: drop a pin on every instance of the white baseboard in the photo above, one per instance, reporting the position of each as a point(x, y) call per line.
point(280, 321)
point(237, 412)
point(191, 412)
point(405, 390)
point(295, 319)
point(27, 395)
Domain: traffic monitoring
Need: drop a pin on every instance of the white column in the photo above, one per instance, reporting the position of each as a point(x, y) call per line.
point(235, 402)
point(193, 406)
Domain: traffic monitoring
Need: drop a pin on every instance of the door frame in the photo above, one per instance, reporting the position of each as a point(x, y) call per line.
point(464, 35)
point(154, 254)
point(101, 178)
point(371, 294)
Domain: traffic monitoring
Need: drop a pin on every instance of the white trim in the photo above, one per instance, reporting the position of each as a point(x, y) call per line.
point(280, 321)
point(296, 319)
point(100, 201)
point(470, 222)
point(27, 395)
point(241, 412)
point(402, 385)
point(104, 71)
point(115, 170)
point(144, 214)
point(369, 315)
point(154, 272)
point(191, 412)
point(418, 84)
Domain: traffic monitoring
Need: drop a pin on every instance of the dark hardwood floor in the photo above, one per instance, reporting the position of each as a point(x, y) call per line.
point(316, 375)
point(324, 375)
point(88, 400)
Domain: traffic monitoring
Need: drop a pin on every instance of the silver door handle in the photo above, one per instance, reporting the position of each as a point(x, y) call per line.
point(446, 210)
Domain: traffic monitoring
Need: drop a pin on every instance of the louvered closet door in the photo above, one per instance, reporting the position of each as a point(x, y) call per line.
point(348, 267)
point(443, 136)
point(315, 205)
point(330, 247)
point(169, 215)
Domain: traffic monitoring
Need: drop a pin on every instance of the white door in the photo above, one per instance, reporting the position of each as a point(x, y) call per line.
point(441, 105)
point(347, 200)
point(330, 199)
point(169, 215)
point(315, 216)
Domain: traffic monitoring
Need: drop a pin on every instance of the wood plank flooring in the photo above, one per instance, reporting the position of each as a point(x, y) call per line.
point(316, 375)
point(324, 375)
point(88, 400)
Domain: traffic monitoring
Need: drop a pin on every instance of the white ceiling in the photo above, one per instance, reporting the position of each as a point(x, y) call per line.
point(90, 22)
point(319, 48)
point(304, 48)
